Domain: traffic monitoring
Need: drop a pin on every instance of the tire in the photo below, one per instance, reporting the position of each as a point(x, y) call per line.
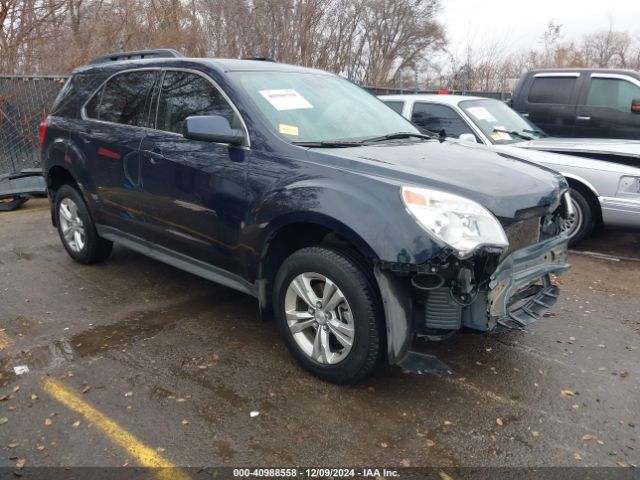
point(76, 228)
point(581, 225)
point(354, 314)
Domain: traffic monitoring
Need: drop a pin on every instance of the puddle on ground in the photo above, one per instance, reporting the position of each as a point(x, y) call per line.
point(47, 356)
point(134, 327)
point(125, 332)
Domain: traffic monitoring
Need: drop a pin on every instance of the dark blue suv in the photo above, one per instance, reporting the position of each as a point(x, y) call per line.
point(355, 230)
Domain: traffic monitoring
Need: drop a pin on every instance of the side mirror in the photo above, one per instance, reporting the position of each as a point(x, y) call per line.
point(635, 105)
point(468, 138)
point(212, 128)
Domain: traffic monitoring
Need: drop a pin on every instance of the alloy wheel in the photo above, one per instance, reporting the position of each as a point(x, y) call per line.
point(71, 225)
point(319, 318)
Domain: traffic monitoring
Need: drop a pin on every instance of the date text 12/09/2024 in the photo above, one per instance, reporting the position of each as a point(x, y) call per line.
point(315, 472)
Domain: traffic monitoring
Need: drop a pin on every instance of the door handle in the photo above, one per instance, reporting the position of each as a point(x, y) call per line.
point(584, 119)
point(525, 115)
point(154, 157)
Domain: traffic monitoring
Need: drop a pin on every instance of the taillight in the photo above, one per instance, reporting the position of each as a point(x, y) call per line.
point(43, 131)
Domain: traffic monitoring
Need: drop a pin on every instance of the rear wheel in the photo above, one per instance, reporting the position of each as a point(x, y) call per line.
point(581, 224)
point(328, 312)
point(76, 228)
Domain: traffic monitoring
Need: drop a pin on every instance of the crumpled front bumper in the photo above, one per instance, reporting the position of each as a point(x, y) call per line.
point(517, 293)
point(515, 296)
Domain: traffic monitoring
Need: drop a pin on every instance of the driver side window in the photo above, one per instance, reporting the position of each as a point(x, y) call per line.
point(437, 118)
point(186, 94)
point(612, 93)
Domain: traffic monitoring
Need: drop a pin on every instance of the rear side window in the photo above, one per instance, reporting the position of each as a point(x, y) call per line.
point(187, 94)
point(557, 90)
point(612, 93)
point(395, 106)
point(439, 117)
point(123, 99)
point(73, 94)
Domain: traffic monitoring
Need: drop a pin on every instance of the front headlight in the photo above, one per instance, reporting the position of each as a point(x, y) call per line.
point(461, 223)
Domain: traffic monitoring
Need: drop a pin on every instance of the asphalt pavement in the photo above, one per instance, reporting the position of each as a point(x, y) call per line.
point(133, 362)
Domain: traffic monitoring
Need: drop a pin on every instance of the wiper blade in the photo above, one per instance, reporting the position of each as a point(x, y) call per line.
point(513, 133)
point(398, 135)
point(359, 143)
point(329, 144)
point(540, 133)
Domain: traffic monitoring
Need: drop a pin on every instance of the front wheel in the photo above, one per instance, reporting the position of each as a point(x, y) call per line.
point(329, 314)
point(581, 224)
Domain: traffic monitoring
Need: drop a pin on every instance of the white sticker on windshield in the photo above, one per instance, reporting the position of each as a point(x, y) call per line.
point(285, 99)
point(481, 113)
point(501, 134)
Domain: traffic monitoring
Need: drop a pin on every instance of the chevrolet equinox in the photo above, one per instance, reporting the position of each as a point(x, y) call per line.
point(356, 231)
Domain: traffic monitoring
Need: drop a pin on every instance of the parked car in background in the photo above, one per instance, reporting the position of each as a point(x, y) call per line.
point(604, 190)
point(592, 103)
point(297, 187)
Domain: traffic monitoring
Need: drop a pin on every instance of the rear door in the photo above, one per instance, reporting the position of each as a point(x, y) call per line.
point(115, 120)
point(605, 107)
point(193, 191)
point(550, 102)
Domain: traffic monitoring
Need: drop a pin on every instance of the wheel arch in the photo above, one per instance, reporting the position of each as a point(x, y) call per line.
point(588, 191)
point(58, 176)
point(292, 232)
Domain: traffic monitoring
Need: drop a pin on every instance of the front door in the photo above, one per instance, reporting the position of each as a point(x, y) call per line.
point(605, 109)
point(193, 191)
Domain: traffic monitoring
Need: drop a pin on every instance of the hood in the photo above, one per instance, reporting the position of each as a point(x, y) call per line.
point(564, 162)
point(505, 184)
point(588, 146)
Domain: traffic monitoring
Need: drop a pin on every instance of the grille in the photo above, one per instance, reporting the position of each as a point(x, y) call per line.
point(522, 234)
point(441, 311)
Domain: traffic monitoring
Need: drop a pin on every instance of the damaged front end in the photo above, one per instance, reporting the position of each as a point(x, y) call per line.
point(491, 290)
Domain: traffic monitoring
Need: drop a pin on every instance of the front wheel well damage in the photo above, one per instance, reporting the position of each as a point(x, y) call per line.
point(294, 237)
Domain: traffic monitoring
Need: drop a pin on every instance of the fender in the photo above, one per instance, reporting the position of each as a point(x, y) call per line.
point(586, 183)
point(61, 153)
point(391, 238)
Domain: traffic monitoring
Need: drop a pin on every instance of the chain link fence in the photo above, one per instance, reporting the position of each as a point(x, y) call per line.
point(23, 104)
point(24, 101)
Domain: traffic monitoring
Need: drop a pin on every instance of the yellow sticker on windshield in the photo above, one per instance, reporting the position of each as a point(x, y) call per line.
point(288, 129)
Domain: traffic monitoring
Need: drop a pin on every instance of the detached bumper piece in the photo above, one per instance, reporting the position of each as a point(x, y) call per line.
point(520, 290)
point(16, 188)
point(536, 305)
point(418, 362)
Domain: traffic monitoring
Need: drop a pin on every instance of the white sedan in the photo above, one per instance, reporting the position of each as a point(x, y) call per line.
point(604, 175)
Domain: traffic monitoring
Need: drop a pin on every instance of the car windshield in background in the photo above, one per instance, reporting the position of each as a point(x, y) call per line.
point(500, 123)
point(317, 108)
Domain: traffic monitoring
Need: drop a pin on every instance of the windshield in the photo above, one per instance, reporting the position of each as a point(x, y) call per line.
point(500, 123)
point(310, 107)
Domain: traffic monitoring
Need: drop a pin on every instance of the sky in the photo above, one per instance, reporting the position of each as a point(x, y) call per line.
point(521, 23)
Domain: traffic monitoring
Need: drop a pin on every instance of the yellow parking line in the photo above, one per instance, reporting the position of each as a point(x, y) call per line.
point(146, 456)
point(5, 341)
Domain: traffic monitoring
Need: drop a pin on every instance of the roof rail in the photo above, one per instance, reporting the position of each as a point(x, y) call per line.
point(137, 55)
point(260, 59)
